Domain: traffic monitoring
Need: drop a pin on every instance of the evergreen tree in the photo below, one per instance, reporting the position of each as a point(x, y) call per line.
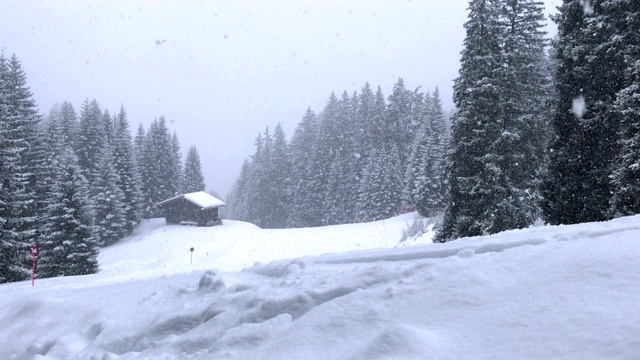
point(68, 246)
point(178, 175)
point(19, 161)
point(128, 178)
point(590, 70)
point(68, 123)
point(342, 177)
point(109, 209)
point(324, 152)
point(429, 159)
point(301, 168)
point(277, 177)
point(90, 139)
point(377, 193)
point(237, 199)
point(193, 178)
point(159, 166)
point(143, 154)
point(623, 17)
point(474, 172)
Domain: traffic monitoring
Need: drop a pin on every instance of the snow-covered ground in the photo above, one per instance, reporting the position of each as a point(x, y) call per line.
point(567, 292)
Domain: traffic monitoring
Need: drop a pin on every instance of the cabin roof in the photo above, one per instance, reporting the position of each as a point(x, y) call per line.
point(200, 198)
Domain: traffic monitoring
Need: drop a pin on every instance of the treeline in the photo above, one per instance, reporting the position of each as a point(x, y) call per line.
point(543, 130)
point(73, 183)
point(362, 158)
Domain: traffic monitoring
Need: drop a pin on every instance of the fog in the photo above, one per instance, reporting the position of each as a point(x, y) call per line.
point(222, 71)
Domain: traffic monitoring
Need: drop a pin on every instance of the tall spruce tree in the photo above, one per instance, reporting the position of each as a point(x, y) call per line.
point(591, 72)
point(624, 18)
point(128, 180)
point(193, 178)
point(68, 246)
point(498, 134)
point(301, 168)
point(473, 171)
point(278, 174)
point(107, 198)
point(90, 139)
point(19, 133)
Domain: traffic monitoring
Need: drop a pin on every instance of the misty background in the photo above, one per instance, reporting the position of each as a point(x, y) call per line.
point(222, 71)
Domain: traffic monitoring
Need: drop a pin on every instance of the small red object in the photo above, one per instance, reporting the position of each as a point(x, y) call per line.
point(33, 250)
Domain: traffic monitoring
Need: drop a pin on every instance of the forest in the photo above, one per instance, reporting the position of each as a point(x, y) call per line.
point(543, 129)
point(75, 183)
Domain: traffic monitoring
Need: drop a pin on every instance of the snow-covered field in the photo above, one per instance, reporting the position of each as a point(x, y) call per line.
point(567, 292)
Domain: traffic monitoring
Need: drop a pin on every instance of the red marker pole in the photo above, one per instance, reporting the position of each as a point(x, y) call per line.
point(33, 250)
point(191, 255)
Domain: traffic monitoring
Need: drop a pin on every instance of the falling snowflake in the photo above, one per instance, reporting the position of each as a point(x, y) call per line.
point(587, 6)
point(579, 107)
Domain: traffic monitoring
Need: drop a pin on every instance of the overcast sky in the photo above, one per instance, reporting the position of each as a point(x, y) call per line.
point(222, 71)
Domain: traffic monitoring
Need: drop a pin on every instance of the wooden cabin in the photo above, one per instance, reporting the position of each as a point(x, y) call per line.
point(198, 208)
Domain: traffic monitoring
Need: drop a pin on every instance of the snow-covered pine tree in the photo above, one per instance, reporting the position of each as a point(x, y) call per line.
point(108, 128)
point(401, 125)
point(324, 153)
point(193, 178)
point(366, 133)
point(589, 75)
point(474, 171)
point(237, 207)
point(127, 171)
point(143, 154)
point(68, 246)
point(159, 162)
point(107, 200)
point(342, 178)
point(68, 123)
point(18, 158)
point(278, 174)
point(523, 85)
point(378, 189)
point(178, 173)
point(90, 139)
point(300, 159)
point(623, 20)
point(430, 155)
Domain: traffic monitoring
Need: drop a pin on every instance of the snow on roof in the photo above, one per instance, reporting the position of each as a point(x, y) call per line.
point(199, 198)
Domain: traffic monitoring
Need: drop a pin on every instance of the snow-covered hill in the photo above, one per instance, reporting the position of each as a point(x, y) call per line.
point(568, 292)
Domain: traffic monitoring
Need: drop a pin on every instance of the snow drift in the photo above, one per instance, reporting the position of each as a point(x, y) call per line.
point(565, 292)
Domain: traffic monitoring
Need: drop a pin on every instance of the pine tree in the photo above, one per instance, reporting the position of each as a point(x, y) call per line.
point(107, 198)
point(277, 177)
point(324, 152)
point(301, 168)
point(125, 167)
point(342, 177)
point(68, 123)
point(19, 161)
point(193, 178)
point(177, 177)
point(68, 246)
point(143, 158)
point(473, 171)
point(159, 166)
point(429, 158)
point(591, 70)
point(90, 139)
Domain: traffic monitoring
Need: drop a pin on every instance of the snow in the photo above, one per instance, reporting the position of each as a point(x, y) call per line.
point(579, 107)
point(200, 198)
point(562, 292)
